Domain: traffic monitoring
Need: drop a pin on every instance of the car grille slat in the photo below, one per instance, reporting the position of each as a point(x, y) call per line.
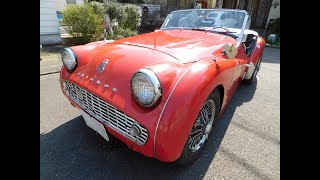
point(106, 113)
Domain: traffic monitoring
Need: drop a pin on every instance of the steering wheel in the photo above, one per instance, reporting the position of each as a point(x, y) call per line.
point(227, 30)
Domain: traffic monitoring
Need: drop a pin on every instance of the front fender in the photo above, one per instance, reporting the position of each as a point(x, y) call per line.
point(184, 104)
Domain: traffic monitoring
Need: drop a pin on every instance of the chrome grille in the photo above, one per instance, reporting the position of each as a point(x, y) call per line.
point(106, 113)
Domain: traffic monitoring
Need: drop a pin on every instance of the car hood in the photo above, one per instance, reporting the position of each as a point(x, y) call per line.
point(184, 45)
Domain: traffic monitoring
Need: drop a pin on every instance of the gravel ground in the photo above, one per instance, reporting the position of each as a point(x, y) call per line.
point(51, 53)
point(50, 59)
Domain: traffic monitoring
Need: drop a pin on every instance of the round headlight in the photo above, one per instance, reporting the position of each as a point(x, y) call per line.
point(69, 59)
point(145, 87)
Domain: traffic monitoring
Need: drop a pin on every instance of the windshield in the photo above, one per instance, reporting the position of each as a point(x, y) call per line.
point(205, 18)
point(232, 21)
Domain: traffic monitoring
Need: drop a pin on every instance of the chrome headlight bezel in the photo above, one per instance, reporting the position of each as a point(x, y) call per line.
point(153, 80)
point(74, 62)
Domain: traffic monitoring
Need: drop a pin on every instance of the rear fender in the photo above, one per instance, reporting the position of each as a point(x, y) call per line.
point(255, 57)
point(257, 50)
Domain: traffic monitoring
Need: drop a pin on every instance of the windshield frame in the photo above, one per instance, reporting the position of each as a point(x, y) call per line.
point(243, 28)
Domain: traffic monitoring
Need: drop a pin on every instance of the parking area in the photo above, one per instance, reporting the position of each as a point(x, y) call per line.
point(246, 145)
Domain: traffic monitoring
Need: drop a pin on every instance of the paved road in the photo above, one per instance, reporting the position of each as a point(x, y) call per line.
point(246, 146)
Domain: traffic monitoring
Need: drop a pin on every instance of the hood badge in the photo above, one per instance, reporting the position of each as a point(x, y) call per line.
point(79, 94)
point(102, 65)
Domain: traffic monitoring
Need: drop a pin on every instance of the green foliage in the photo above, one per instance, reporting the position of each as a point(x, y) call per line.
point(123, 33)
point(140, 2)
point(134, 14)
point(128, 17)
point(116, 11)
point(274, 28)
point(98, 8)
point(82, 22)
point(85, 22)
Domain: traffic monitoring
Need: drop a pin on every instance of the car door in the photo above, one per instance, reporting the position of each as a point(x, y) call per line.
point(239, 62)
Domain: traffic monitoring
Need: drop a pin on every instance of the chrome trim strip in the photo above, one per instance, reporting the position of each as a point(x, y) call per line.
point(164, 106)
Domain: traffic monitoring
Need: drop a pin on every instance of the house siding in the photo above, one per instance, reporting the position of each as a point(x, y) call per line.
point(49, 25)
point(48, 18)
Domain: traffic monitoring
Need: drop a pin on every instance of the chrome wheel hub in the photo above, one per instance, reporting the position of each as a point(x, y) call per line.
point(208, 128)
point(202, 126)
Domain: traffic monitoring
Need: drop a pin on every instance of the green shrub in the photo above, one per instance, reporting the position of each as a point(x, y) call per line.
point(83, 23)
point(134, 14)
point(98, 8)
point(116, 12)
point(123, 33)
point(128, 17)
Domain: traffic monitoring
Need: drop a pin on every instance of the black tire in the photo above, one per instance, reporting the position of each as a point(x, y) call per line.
point(188, 156)
point(255, 72)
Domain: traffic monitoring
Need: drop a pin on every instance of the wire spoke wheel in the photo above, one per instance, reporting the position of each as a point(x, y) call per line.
point(202, 126)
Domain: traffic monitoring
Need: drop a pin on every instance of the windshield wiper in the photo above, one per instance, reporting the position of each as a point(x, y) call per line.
point(201, 29)
point(222, 32)
point(220, 27)
point(183, 28)
point(197, 29)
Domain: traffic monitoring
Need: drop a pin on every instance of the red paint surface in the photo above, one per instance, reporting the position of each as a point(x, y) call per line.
point(169, 54)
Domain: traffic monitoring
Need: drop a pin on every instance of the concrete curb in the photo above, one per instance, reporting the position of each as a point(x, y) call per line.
point(47, 73)
point(271, 46)
point(50, 67)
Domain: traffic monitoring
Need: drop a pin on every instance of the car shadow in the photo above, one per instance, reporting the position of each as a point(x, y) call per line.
point(74, 151)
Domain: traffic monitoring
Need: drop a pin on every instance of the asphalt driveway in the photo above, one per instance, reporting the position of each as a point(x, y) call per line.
point(246, 145)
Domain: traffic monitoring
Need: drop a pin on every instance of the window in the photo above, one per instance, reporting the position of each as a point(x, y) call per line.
point(212, 15)
point(59, 15)
point(223, 17)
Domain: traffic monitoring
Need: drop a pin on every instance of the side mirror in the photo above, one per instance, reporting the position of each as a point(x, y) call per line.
point(229, 51)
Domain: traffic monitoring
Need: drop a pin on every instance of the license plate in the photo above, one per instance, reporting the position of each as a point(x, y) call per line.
point(95, 125)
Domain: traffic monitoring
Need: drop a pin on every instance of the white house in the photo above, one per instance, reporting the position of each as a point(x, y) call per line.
point(49, 24)
point(274, 12)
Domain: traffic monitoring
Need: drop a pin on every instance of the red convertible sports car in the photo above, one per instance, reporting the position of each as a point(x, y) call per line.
point(160, 92)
